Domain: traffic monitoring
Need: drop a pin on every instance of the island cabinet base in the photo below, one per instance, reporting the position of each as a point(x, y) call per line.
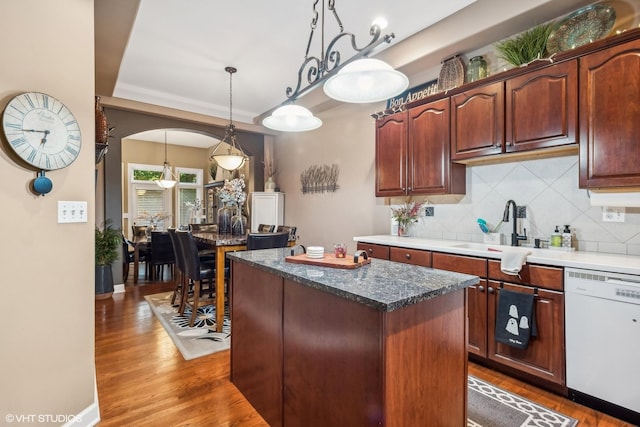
point(306, 357)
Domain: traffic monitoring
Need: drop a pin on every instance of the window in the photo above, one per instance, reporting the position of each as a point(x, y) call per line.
point(189, 195)
point(147, 202)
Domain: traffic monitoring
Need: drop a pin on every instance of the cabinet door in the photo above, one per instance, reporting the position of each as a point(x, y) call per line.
point(610, 117)
point(391, 155)
point(477, 122)
point(477, 315)
point(430, 170)
point(544, 357)
point(542, 108)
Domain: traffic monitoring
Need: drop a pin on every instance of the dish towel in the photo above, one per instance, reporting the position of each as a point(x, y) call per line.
point(512, 260)
point(515, 319)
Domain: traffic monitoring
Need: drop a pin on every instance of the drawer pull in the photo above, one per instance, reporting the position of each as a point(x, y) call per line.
point(370, 250)
point(407, 256)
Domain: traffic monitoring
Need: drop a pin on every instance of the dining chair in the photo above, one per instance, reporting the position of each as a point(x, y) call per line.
point(290, 228)
point(128, 255)
point(202, 276)
point(162, 255)
point(265, 228)
point(181, 287)
point(267, 240)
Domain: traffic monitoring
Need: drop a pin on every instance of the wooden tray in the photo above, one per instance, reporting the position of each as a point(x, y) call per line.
point(329, 260)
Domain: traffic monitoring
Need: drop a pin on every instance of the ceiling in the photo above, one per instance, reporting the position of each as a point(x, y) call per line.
point(172, 53)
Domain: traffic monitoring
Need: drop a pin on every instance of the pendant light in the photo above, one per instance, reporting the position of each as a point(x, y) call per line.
point(231, 160)
point(168, 179)
point(358, 80)
point(292, 118)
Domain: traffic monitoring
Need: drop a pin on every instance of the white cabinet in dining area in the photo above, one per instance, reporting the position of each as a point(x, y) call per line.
point(266, 208)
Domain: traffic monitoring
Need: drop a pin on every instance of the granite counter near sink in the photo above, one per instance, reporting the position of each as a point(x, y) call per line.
point(628, 264)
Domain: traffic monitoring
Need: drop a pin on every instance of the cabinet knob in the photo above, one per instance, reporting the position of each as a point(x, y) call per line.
point(407, 256)
point(490, 290)
point(481, 288)
point(370, 250)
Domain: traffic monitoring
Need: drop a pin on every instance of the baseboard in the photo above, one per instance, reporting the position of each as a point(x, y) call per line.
point(90, 416)
point(118, 289)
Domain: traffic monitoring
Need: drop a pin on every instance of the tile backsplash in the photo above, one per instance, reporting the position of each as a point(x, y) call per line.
point(548, 188)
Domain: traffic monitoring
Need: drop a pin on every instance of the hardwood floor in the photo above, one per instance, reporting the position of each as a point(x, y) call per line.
point(144, 381)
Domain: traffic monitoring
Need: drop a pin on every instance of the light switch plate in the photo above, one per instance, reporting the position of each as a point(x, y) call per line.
point(610, 214)
point(70, 211)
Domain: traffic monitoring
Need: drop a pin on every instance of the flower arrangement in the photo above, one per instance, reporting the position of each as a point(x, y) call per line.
point(232, 192)
point(406, 214)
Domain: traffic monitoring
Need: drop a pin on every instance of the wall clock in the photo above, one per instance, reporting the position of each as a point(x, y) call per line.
point(43, 132)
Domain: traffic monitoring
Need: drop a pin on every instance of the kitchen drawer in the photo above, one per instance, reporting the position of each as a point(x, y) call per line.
point(460, 264)
point(410, 256)
point(374, 251)
point(533, 275)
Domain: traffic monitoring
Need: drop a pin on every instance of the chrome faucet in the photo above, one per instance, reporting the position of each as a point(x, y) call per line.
point(515, 237)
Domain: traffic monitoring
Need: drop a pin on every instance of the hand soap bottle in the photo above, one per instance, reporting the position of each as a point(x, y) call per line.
point(566, 237)
point(556, 238)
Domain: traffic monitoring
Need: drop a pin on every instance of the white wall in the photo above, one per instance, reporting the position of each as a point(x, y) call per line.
point(47, 292)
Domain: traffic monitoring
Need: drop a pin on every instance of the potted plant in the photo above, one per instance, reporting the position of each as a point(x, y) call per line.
point(108, 245)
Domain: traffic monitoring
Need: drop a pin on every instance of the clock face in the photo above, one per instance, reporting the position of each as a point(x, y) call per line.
point(41, 130)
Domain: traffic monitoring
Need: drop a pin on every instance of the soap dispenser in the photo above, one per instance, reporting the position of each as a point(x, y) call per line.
point(556, 238)
point(566, 237)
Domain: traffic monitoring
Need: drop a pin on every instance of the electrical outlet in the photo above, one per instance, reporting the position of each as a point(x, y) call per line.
point(610, 214)
point(69, 212)
point(521, 211)
point(429, 211)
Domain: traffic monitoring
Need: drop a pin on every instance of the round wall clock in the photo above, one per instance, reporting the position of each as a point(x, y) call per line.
point(42, 131)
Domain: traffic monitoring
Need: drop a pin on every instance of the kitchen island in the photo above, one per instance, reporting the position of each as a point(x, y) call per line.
point(383, 344)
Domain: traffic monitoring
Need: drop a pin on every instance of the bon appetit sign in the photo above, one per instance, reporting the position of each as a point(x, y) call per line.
point(413, 94)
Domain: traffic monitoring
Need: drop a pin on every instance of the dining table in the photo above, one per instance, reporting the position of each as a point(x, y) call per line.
point(223, 243)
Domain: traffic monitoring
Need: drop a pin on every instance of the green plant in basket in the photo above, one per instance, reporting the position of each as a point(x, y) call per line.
point(526, 46)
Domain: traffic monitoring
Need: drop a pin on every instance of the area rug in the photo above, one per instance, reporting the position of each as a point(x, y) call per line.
point(196, 341)
point(490, 406)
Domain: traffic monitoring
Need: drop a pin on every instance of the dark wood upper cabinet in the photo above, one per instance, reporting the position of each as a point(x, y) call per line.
point(430, 168)
point(391, 155)
point(412, 153)
point(610, 117)
point(477, 122)
point(542, 108)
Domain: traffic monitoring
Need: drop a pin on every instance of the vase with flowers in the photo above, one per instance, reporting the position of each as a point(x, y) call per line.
point(155, 219)
point(270, 171)
point(231, 219)
point(406, 215)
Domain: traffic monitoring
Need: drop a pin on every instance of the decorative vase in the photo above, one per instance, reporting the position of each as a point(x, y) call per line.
point(238, 223)
point(404, 230)
point(224, 220)
point(102, 129)
point(477, 69)
point(270, 185)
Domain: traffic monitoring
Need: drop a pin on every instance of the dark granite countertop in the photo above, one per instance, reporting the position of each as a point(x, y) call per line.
point(383, 285)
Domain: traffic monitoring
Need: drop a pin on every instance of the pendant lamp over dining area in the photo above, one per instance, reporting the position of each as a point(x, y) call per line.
point(234, 158)
point(168, 179)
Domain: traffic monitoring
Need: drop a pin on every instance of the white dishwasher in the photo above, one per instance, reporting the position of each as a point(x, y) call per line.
point(602, 319)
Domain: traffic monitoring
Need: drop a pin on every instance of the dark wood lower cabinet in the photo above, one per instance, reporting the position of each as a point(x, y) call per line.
point(306, 357)
point(545, 355)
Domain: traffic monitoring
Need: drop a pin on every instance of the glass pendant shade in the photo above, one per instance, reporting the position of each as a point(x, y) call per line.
point(167, 180)
point(292, 118)
point(229, 161)
point(366, 80)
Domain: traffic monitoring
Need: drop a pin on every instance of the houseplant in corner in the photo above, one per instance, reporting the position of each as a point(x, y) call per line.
point(108, 244)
